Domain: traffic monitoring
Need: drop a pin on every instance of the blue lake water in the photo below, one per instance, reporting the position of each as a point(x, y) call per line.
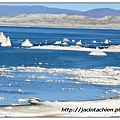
point(18, 56)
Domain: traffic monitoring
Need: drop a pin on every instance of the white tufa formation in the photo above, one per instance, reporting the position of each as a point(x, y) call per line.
point(79, 42)
point(97, 52)
point(27, 43)
point(4, 41)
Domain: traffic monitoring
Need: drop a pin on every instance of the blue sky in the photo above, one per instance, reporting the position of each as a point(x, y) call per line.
point(77, 6)
point(84, 7)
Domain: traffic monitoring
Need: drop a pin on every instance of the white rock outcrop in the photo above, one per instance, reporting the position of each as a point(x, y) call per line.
point(57, 42)
point(2, 37)
point(73, 40)
point(79, 42)
point(27, 43)
point(65, 40)
point(97, 52)
point(4, 41)
point(107, 41)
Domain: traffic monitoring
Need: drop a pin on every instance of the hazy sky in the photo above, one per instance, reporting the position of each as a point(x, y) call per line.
point(84, 7)
point(77, 6)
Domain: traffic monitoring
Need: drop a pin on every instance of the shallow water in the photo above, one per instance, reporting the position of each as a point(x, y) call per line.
point(19, 56)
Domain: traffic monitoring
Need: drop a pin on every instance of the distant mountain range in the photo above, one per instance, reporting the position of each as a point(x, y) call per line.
point(97, 13)
point(6, 10)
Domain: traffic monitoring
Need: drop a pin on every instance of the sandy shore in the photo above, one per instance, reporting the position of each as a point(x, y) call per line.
point(98, 108)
